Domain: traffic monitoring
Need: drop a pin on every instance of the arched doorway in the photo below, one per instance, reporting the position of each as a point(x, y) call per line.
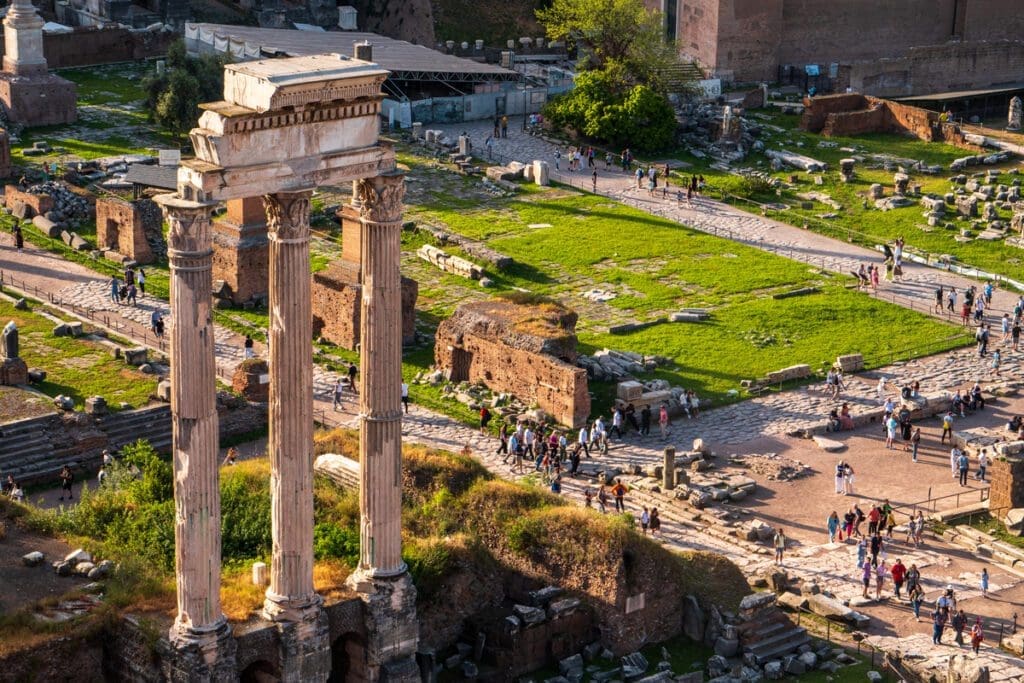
point(348, 658)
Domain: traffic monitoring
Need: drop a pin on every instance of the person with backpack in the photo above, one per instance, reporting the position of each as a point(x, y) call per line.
point(619, 491)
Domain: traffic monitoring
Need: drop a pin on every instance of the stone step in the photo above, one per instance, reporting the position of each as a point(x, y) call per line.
point(783, 648)
point(23, 444)
point(779, 636)
point(28, 424)
point(762, 632)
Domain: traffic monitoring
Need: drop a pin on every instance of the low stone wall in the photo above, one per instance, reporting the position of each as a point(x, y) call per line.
point(38, 203)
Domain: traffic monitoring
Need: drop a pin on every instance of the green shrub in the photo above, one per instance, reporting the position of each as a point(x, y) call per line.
point(245, 513)
point(335, 541)
point(525, 534)
point(429, 562)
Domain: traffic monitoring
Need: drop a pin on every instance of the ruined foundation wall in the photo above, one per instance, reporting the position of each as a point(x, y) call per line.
point(1007, 491)
point(336, 307)
point(120, 226)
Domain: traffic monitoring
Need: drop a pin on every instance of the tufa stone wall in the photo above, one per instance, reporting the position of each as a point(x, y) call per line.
point(525, 349)
point(336, 297)
point(121, 226)
point(43, 100)
point(1007, 491)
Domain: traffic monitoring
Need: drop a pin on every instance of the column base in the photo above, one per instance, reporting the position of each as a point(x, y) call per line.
point(305, 644)
point(392, 631)
point(201, 654)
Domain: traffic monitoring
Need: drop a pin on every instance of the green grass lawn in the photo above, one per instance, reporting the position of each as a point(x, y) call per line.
point(76, 367)
point(657, 266)
point(869, 225)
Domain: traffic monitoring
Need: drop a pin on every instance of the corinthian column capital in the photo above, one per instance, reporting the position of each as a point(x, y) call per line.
point(380, 198)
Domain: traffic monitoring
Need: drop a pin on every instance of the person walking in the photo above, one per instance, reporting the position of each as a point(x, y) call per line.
point(982, 465)
point(115, 290)
point(19, 238)
point(848, 482)
point(663, 421)
point(963, 464)
point(503, 441)
point(581, 441)
point(645, 420)
point(67, 480)
point(865, 577)
point(977, 635)
point(880, 572)
point(338, 392)
point(133, 295)
point(602, 498)
point(833, 526)
point(899, 574)
point(840, 477)
point(247, 346)
point(984, 582)
point(877, 545)
point(655, 522)
point(780, 545)
point(916, 598)
point(645, 520)
point(938, 624)
point(619, 491)
point(140, 280)
point(947, 427)
point(959, 623)
point(485, 415)
point(405, 404)
point(915, 442)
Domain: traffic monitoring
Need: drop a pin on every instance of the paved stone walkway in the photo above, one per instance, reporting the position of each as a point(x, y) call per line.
point(931, 662)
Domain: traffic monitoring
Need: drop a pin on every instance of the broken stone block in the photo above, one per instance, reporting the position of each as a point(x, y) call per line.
point(135, 356)
point(36, 375)
point(76, 329)
point(64, 402)
point(83, 568)
point(76, 556)
point(33, 559)
point(529, 615)
point(96, 405)
point(61, 330)
point(163, 390)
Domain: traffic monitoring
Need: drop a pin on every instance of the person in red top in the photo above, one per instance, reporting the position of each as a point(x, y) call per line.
point(873, 518)
point(899, 574)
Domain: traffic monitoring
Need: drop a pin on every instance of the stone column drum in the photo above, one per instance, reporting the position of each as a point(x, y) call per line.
point(200, 633)
point(381, 578)
point(291, 600)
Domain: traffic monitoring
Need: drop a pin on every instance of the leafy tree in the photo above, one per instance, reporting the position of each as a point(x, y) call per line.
point(638, 117)
point(173, 98)
point(621, 37)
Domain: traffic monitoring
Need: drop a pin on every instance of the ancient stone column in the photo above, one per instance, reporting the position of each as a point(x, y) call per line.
point(668, 471)
point(290, 599)
point(200, 632)
point(381, 578)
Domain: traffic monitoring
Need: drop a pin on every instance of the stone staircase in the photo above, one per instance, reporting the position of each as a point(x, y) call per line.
point(26, 447)
point(35, 450)
point(768, 633)
point(128, 426)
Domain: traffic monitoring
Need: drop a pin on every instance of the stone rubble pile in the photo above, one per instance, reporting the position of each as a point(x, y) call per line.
point(771, 466)
point(68, 207)
point(612, 365)
point(76, 563)
point(720, 132)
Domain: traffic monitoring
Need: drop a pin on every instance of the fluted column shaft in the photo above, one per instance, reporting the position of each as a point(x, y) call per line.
point(290, 442)
point(380, 435)
point(194, 421)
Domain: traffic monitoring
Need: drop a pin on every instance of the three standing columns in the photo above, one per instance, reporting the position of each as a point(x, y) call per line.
point(290, 599)
point(381, 579)
point(200, 632)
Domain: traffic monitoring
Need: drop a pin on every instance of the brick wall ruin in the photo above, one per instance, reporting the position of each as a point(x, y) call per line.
point(854, 114)
point(336, 298)
point(38, 203)
point(528, 350)
point(970, 42)
point(87, 45)
point(121, 228)
point(1007, 491)
point(241, 252)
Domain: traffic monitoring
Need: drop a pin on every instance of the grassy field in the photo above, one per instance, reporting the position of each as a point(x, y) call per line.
point(565, 242)
point(76, 367)
point(869, 225)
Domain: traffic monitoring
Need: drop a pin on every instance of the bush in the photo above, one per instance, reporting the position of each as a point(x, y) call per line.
point(636, 116)
point(245, 511)
point(335, 541)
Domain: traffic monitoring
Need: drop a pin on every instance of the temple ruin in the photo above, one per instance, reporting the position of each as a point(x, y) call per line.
point(527, 349)
point(286, 126)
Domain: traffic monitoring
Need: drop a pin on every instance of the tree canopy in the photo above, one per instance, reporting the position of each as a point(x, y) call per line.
point(621, 37)
point(173, 97)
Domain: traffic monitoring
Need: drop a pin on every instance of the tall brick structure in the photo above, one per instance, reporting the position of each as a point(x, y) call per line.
point(121, 227)
point(337, 291)
point(748, 40)
point(240, 250)
point(524, 349)
point(1007, 491)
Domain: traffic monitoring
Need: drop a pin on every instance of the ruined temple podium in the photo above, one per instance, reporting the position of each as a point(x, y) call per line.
point(32, 95)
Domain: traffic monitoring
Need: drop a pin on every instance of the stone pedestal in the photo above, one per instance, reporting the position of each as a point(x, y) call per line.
point(392, 631)
point(240, 250)
point(31, 96)
point(251, 380)
point(291, 601)
point(13, 371)
point(668, 469)
point(211, 657)
point(200, 630)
